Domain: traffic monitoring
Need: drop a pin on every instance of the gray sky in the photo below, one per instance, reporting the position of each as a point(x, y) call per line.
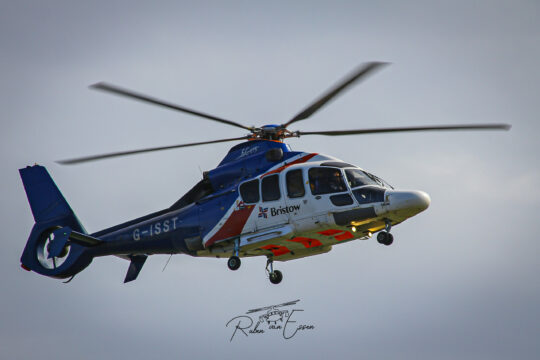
point(461, 278)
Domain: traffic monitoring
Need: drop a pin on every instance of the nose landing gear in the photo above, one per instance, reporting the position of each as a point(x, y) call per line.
point(275, 276)
point(384, 237)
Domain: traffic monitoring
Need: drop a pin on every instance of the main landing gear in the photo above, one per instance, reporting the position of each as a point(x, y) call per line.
point(384, 237)
point(275, 276)
point(234, 261)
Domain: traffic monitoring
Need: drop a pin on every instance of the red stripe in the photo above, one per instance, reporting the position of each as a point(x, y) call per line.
point(297, 161)
point(233, 225)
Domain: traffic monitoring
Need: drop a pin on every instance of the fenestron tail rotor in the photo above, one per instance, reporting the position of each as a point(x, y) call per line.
point(274, 132)
point(43, 256)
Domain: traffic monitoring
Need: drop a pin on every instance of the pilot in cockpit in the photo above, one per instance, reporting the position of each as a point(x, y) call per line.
point(326, 181)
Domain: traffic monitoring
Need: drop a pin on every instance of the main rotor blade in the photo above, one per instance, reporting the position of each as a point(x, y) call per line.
point(407, 129)
point(137, 96)
point(131, 152)
point(356, 75)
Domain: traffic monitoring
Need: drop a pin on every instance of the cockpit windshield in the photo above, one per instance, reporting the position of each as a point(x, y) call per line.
point(357, 177)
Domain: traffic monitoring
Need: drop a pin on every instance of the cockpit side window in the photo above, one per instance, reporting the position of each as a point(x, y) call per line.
point(250, 191)
point(295, 184)
point(326, 181)
point(357, 177)
point(270, 188)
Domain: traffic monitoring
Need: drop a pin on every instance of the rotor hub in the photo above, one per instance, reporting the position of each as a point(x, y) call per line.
point(272, 132)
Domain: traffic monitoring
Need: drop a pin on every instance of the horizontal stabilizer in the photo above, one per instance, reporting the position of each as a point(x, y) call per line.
point(137, 262)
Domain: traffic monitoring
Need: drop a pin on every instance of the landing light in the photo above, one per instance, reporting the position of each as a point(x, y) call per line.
point(353, 229)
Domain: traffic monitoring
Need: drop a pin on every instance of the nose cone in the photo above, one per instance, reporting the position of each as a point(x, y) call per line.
point(419, 200)
point(412, 201)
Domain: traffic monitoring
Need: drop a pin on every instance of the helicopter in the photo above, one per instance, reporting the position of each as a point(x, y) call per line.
point(262, 199)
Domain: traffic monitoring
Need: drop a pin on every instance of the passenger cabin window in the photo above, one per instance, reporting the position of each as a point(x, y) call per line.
point(250, 191)
point(326, 181)
point(295, 184)
point(270, 188)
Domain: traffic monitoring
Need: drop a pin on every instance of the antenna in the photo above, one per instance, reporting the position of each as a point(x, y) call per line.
point(167, 263)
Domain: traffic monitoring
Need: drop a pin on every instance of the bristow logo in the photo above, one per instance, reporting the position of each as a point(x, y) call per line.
point(276, 318)
point(284, 210)
point(263, 212)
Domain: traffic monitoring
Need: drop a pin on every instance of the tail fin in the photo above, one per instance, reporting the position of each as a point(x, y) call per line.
point(51, 211)
point(46, 201)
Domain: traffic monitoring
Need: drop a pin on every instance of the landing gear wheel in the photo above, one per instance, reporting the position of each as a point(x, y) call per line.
point(389, 239)
point(234, 262)
point(276, 277)
point(385, 238)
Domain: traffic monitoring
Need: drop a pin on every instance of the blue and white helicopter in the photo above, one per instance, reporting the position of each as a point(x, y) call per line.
point(261, 200)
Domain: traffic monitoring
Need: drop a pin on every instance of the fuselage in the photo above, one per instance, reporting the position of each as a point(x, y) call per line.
point(297, 205)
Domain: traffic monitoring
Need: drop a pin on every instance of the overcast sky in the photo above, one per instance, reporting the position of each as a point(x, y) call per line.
point(461, 279)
